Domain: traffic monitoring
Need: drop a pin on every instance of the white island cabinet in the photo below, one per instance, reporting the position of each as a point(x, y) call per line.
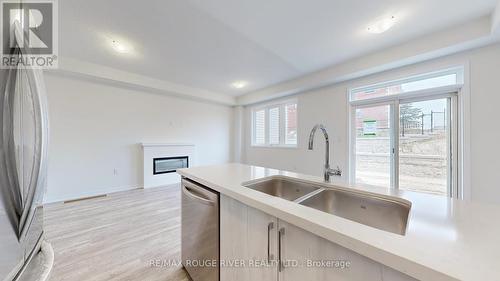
point(247, 242)
point(258, 246)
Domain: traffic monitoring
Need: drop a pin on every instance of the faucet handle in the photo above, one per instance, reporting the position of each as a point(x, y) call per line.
point(335, 172)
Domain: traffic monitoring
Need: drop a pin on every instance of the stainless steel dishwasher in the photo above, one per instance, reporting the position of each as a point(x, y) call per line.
point(200, 231)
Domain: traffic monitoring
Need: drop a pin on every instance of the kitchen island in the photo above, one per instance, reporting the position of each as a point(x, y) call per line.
point(445, 239)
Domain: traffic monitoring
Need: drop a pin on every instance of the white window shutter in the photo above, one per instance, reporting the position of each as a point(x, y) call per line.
point(260, 127)
point(275, 125)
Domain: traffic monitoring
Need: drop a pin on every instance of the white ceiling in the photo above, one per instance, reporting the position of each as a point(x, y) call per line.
point(208, 44)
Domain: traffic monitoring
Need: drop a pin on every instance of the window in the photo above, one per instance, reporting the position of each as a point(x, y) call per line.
point(404, 134)
point(275, 125)
point(450, 77)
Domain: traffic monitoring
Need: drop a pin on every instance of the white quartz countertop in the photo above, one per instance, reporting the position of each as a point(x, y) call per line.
point(446, 239)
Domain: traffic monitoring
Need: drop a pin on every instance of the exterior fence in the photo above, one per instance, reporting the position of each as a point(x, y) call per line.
point(408, 126)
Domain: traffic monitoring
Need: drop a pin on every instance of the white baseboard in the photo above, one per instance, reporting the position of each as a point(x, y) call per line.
point(88, 193)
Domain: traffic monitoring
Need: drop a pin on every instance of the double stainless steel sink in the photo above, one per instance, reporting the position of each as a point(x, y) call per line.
point(381, 212)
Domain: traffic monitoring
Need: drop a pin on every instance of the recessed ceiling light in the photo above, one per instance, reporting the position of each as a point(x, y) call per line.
point(239, 84)
point(381, 25)
point(120, 47)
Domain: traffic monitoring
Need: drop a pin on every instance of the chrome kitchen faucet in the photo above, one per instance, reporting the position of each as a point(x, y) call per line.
point(327, 170)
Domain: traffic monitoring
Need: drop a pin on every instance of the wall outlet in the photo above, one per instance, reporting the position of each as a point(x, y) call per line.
point(115, 171)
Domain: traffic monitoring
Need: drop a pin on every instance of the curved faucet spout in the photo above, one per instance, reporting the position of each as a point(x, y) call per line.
point(313, 131)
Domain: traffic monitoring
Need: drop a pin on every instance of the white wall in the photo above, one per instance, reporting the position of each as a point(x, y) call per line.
point(329, 106)
point(96, 128)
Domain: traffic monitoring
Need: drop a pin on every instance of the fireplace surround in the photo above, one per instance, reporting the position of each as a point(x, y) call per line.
point(161, 160)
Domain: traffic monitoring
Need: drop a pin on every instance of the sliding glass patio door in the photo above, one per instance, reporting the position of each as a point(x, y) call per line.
point(416, 154)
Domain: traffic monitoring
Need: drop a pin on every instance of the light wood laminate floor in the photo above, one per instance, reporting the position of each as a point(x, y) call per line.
point(116, 237)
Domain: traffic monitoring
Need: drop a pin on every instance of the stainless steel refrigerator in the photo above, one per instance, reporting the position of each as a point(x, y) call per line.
point(23, 165)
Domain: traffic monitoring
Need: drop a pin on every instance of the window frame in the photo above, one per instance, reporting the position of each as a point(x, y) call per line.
point(456, 120)
point(282, 124)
